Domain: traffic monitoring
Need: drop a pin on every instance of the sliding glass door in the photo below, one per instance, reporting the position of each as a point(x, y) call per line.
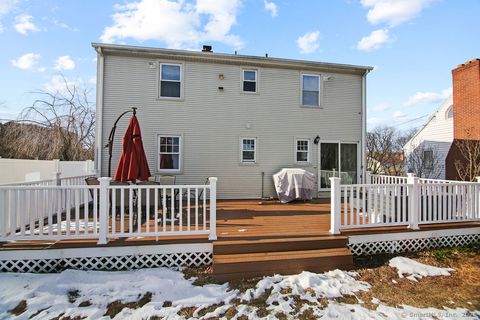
point(338, 159)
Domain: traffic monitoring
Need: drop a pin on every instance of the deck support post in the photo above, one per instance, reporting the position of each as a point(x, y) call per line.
point(213, 208)
point(335, 205)
point(414, 201)
point(103, 210)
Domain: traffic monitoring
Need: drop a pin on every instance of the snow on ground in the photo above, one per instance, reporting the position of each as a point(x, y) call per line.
point(48, 293)
point(417, 270)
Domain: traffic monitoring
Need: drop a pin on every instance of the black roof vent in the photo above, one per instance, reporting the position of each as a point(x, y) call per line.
point(207, 48)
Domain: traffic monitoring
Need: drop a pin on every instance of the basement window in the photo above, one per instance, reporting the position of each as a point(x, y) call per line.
point(170, 80)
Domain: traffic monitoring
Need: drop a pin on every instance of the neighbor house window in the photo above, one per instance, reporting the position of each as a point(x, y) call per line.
point(250, 80)
point(170, 80)
point(302, 150)
point(249, 150)
point(310, 90)
point(428, 159)
point(449, 113)
point(169, 153)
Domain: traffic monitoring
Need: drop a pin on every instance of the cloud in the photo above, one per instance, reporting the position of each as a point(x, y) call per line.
point(5, 7)
point(375, 121)
point(93, 80)
point(64, 63)
point(28, 62)
point(308, 43)
point(382, 106)
point(23, 24)
point(428, 97)
point(394, 12)
point(178, 24)
point(271, 7)
point(59, 84)
point(399, 115)
point(62, 25)
point(375, 40)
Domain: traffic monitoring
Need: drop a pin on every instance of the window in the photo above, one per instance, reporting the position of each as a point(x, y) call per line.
point(310, 90)
point(249, 80)
point(249, 150)
point(169, 153)
point(449, 113)
point(302, 150)
point(428, 159)
point(170, 80)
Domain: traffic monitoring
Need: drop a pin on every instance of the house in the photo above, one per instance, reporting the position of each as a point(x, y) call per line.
point(457, 119)
point(239, 118)
point(432, 142)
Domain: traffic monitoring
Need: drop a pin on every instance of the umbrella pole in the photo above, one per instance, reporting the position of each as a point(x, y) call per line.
point(112, 136)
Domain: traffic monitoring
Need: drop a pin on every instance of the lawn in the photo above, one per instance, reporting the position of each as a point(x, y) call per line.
point(438, 284)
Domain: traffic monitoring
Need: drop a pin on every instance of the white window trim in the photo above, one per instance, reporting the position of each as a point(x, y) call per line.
point(309, 151)
point(242, 76)
point(254, 151)
point(159, 80)
point(320, 84)
point(180, 151)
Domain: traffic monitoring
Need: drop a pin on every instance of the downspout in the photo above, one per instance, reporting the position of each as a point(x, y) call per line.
point(364, 125)
point(99, 112)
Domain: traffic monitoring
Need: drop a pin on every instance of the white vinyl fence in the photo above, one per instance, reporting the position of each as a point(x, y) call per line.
point(402, 201)
point(106, 211)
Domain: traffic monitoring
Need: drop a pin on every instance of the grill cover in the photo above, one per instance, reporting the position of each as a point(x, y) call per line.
point(294, 184)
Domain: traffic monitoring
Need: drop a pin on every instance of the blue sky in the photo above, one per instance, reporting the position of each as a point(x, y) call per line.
point(413, 44)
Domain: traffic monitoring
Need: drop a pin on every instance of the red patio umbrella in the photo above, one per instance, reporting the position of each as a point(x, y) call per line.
point(133, 163)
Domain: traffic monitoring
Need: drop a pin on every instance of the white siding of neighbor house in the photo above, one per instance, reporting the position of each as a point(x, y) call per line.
point(436, 134)
point(212, 121)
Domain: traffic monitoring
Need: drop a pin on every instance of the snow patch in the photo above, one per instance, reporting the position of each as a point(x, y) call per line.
point(417, 270)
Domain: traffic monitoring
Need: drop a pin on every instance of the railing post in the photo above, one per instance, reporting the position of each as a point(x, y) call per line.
point(213, 208)
point(414, 200)
point(368, 177)
point(335, 205)
point(103, 210)
point(56, 177)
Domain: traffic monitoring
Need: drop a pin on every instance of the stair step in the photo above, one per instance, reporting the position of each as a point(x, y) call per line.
point(247, 265)
point(278, 244)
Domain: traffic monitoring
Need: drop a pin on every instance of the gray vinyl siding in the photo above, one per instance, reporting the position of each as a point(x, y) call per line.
point(213, 121)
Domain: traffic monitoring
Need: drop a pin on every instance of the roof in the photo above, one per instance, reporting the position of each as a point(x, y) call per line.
point(227, 58)
point(445, 104)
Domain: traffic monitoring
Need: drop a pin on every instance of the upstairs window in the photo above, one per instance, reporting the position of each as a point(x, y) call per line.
point(449, 113)
point(302, 150)
point(249, 150)
point(250, 80)
point(310, 90)
point(170, 80)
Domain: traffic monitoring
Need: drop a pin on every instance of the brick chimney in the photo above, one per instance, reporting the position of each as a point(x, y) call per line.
point(466, 100)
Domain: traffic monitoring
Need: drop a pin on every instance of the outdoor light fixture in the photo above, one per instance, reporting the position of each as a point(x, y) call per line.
point(317, 140)
point(221, 76)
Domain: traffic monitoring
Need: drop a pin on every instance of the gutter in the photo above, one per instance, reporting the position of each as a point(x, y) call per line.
point(99, 112)
point(364, 125)
point(227, 58)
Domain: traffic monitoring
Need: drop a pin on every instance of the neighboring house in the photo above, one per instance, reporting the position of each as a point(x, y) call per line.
point(392, 165)
point(457, 119)
point(239, 118)
point(433, 140)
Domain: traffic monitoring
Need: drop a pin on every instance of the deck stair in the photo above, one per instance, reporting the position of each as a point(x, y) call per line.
point(253, 257)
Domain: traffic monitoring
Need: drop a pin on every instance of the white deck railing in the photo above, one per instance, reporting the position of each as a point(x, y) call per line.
point(105, 211)
point(409, 201)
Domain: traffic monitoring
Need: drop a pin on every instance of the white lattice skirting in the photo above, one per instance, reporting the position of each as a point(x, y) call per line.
point(412, 241)
point(109, 259)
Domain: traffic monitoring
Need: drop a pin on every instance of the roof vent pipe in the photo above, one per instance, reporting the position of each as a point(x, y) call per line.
point(207, 48)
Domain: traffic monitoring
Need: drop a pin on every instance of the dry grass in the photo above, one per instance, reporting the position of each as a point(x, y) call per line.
point(116, 307)
point(461, 289)
point(20, 308)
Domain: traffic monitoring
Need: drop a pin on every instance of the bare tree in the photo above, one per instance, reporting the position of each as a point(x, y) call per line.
point(424, 161)
point(385, 150)
point(468, 168)
point(59, 124)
